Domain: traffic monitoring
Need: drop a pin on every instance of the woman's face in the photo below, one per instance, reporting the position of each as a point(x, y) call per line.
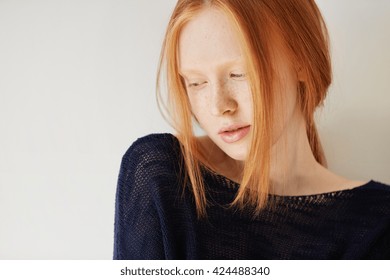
point(212, 66)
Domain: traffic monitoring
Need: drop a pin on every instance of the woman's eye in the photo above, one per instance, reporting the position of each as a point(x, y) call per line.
point(237, 75)
point(195, 84)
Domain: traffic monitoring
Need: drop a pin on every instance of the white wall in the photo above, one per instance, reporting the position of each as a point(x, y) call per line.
point(355, 124)
point(77, 88)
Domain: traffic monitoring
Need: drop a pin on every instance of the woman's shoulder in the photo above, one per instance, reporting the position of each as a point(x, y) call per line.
point(374, 189)
point(377, 185)
point(368, 192)
point(154, 146)
point(150, 156)
point(153, 150)
point(373, 197)
point(150, 165)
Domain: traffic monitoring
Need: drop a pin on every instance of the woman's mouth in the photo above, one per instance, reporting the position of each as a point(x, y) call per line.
point(233, 134)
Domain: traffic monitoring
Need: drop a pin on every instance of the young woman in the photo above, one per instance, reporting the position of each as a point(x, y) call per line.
point(251, 74)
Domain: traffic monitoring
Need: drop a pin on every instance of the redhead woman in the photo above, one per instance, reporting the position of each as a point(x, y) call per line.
point(251, 74)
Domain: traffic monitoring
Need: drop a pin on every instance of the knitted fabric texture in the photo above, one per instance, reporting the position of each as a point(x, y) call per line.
point(155, 216)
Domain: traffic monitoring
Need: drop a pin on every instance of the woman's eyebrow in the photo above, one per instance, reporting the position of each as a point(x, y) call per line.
point(229, 63)
point(189, 71)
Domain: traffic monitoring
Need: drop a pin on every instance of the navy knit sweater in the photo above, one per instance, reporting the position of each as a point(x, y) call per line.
point(153, 220)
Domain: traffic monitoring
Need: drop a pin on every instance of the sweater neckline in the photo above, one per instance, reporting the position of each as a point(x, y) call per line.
point(234, 185)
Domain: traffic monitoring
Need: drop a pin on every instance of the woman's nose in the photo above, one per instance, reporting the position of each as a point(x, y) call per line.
point(222, 100)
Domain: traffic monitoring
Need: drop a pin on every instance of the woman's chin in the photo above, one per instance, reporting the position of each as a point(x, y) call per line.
point(236, 155)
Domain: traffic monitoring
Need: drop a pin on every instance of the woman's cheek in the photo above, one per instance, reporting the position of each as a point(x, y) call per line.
point(199, 107)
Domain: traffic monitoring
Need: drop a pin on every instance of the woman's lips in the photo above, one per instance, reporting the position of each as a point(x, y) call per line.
point(234, 134)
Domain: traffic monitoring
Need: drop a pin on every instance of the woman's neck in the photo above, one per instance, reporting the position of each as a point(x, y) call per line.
point(294, 169)
point(293, 166)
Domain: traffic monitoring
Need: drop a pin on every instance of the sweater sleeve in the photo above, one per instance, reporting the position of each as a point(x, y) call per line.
point(381, 249)
point(137, 229)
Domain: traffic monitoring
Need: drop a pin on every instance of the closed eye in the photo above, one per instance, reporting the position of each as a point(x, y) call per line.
point(196, 84)
point(237, 75)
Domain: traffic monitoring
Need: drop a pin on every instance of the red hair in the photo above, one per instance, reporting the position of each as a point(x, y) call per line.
point(302, 30)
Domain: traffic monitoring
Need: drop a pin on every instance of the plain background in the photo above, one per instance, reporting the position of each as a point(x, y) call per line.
point(77, 87)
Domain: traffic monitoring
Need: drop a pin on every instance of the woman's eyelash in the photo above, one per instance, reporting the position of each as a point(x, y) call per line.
point(193, 84)
point(196, 84)
point(232, 75)
point(237, 75)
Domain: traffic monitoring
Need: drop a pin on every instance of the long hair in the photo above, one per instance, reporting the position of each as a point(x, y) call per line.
point(301, 27)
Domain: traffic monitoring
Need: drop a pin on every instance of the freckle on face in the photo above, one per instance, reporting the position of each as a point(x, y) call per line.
point(208, 46)
point(209, 54)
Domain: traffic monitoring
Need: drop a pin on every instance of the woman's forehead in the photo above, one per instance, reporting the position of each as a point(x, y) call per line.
point(208, 37)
